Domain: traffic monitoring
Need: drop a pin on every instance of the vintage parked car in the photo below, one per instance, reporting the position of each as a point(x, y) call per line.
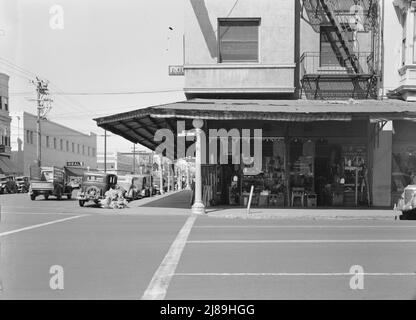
point(94, 186)
point(135, 186)
point(23, 184)
point(407, 203)
point(7, 184)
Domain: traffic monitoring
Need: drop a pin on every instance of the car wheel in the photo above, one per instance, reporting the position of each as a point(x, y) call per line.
point(81, 203)
point(32, 197)
point(69, 196)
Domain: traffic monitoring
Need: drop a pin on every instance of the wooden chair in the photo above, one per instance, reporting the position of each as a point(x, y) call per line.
point(298, 193)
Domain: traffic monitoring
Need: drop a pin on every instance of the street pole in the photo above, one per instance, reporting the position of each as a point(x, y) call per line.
point(134, 158)
point(169, 182)
point(38, 135)
point(188, 185)
point(161, 174)
point(105, 151)
point(198, 206)
point(42, 99)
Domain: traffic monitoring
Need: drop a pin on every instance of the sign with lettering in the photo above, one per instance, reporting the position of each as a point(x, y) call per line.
point(75, 164)
point(176, 71)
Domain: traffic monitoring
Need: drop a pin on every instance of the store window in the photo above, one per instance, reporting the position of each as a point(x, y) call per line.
point(238, 40)
point(404, 167)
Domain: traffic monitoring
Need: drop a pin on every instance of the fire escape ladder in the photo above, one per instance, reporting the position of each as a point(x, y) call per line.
point(343, 39)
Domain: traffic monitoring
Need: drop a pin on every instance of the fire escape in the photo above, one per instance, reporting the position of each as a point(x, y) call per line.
point(345, 70)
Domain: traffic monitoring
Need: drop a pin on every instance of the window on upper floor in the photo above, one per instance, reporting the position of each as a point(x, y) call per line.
point(47, 141)
point(27, 136)
point(54, 143)
point(73, 147)
point(330, 44)
point(67, 146)
point(31, 137)
point(404, 25)
point(61, 144)
point(1, 103)
point(238, 40)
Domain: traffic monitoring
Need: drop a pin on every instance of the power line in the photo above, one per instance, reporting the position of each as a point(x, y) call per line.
point(63, 93)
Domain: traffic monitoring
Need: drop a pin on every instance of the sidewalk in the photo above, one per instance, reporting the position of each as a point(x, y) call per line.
point(178, 203)
point(298, 213)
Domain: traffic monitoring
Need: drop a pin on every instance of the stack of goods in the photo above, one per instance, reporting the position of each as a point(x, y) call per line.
point(114, 199)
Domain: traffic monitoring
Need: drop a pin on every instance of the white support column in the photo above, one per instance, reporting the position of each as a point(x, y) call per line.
point(198, 206)
point(168, 164)
point(188, 183)
point(161, 174)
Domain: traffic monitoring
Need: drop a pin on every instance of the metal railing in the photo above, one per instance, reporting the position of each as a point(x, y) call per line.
point(324, 63)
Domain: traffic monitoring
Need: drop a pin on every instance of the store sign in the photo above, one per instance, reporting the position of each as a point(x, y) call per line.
point(75, 164)
point(176, 71)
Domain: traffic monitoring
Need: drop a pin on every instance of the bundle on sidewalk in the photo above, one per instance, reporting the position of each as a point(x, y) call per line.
point(114, 199)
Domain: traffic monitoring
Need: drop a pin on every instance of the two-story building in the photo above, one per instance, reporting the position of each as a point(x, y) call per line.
point(60, 145)
point(309, 75)
point(6, 165)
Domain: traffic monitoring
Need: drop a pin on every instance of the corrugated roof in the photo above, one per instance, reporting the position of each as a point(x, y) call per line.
point(269, 110)
point(139, 126)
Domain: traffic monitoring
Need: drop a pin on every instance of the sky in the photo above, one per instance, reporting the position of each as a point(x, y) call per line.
point(100, 57)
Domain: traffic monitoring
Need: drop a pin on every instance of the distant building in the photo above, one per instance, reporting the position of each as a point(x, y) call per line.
point(60, 145)
point(6, 166)
point(117, 162)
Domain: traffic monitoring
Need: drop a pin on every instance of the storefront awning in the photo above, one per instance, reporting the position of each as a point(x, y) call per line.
point(7, 167)
point(140, 126)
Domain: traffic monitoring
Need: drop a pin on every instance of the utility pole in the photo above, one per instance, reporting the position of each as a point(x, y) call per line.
point(42, 109)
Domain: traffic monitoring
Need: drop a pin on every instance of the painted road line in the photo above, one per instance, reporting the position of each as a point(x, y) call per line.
point(40, 213)
point(300, 227)
point(303, 241)
point(39, 225)
point(299, 274)
point(159, 284)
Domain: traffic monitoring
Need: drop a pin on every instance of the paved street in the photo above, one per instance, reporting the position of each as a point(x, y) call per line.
point(153, 251)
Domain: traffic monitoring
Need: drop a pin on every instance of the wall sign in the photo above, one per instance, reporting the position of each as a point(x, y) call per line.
point(176, 71)
point(75, 164)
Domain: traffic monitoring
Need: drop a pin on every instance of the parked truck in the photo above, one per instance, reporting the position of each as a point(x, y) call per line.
point(49, 181)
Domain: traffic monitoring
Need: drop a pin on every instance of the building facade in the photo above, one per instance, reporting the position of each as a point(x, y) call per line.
point(400, 52)
point(117, 163)
point(60, 145)
point(310, 74)
point(5, 165)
